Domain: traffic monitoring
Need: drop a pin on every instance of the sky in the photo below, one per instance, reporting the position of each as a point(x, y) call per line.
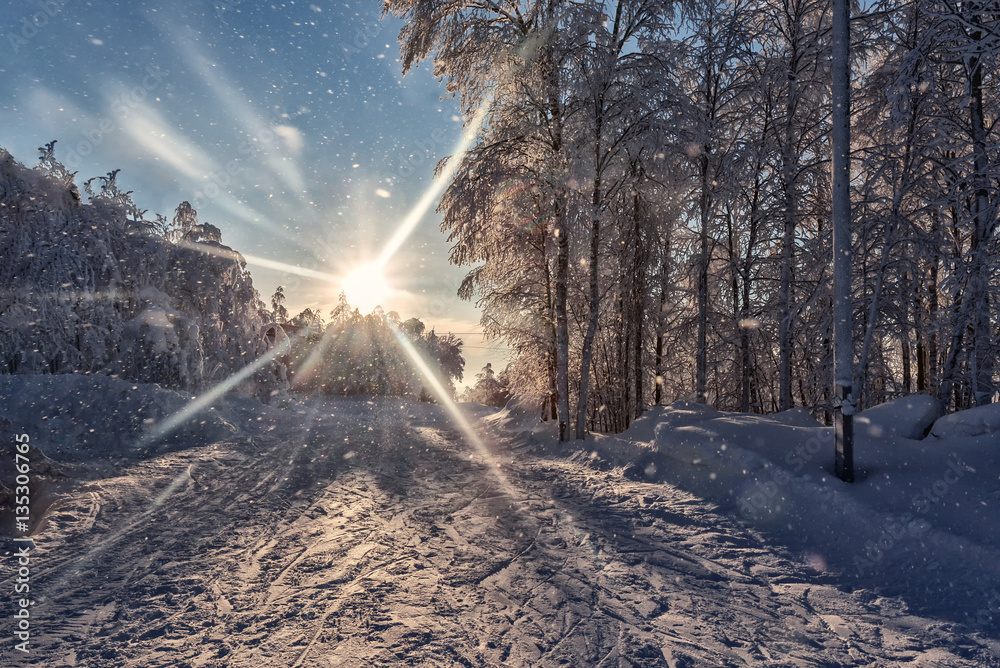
point(287, 125)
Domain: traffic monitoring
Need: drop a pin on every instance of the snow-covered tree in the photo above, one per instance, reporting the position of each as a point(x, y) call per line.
point(488, 389)
point(646, 211)
point(278, 311)
point(361, 355)
point(96, 288)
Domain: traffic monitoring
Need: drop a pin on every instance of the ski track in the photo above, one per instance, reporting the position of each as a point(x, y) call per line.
point(409, 551)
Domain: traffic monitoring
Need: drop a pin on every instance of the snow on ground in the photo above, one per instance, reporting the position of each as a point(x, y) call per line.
point(922, 521)
point(91, 420)
point(358, 532)
point(980, 421)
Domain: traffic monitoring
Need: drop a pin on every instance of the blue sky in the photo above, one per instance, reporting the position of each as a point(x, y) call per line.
point(287, 125)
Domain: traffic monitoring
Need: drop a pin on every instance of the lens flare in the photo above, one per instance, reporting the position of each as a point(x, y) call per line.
point(437, 187)
point(366, 287)
point(211, 396)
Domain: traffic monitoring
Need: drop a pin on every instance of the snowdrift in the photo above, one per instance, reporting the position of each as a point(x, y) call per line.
point(908, 417)
point(921, 522)
point(979, 421)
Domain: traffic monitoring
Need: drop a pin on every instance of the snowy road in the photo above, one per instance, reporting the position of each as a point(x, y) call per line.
point(376, 536)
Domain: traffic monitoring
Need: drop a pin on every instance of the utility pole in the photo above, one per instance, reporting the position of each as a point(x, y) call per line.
point(843, 345)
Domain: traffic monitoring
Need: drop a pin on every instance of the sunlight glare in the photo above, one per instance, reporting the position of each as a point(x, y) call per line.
point(211, 395)
point(366, 287)
point(441, 180)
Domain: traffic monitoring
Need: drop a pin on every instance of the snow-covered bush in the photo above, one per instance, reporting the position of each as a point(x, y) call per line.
point(978, 421)
point(909, 417)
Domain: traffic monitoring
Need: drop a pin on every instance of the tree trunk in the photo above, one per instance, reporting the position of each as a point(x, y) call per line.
point(746, 370)
point(562, 326)
point(624, 408)
point(595, 299)
point(637, 372)
point(921, 363)
point(785, 310)
point(552, 400)
point(561, 232)
point(596, 203)
point(873, 311)
point(932, 306)
point(658, 361)
point(949, 366)
point(639, 301)
point(701, 362)
point(905, 349)
point(789, 179)
point(983, 350)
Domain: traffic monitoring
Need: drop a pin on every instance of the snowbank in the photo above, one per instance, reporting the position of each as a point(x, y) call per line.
point(84, 419)
point(476, 411)
point(979, 421)
point(921, 521)
point(907, 417)
point(520, 414)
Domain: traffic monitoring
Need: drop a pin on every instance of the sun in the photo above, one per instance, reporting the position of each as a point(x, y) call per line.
point(366, 288)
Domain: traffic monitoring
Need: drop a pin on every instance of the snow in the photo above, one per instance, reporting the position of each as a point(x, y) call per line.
point(97, 421)
point(979, 421)
point(518, 413)
point(704, 537)
point(908, 417)
point(922, 522)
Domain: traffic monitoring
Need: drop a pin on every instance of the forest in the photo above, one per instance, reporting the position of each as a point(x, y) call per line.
point(646, 210)
point(101, 287)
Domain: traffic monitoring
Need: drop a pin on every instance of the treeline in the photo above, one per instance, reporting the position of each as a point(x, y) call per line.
point(646, 207)
point(357, 354)
point(489, 389)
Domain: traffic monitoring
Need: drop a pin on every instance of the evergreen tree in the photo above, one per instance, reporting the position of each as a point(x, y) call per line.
point(278, 311)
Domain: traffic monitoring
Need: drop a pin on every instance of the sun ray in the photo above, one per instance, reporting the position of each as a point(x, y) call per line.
point(264, 262)
point(209, 397)
point(445, 400)
point(416, 214)
point(307, 370)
